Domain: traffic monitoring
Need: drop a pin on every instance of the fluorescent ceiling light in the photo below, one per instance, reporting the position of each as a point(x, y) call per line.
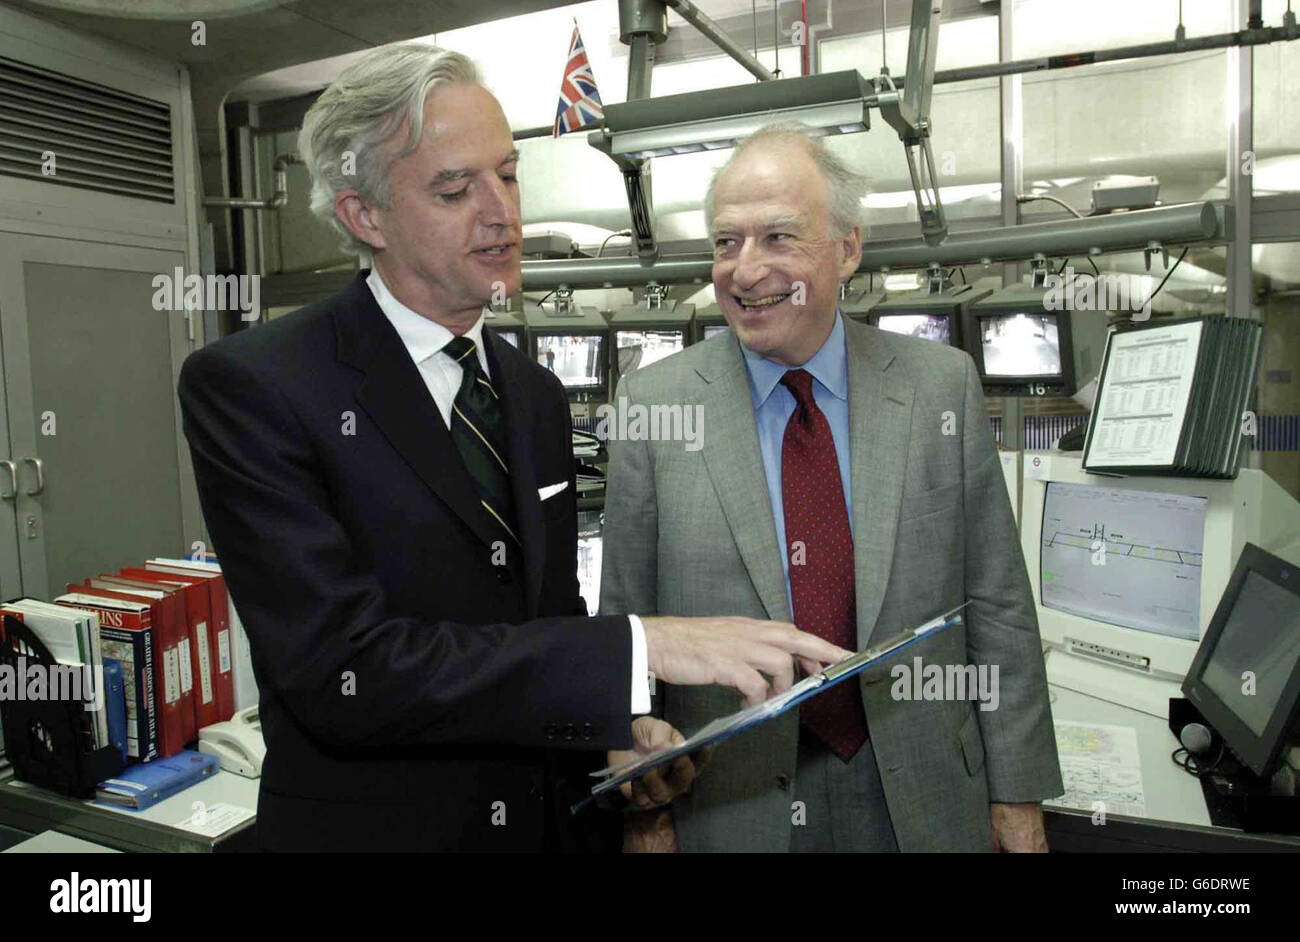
point(831, 103)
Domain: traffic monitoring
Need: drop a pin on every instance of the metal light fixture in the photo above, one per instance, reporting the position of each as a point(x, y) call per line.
point(832, 103)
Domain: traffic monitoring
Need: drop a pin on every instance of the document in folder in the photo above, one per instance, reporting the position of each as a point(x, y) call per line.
point(727, 726)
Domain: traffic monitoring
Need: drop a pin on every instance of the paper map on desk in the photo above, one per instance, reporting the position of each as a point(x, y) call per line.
point(1100, 764)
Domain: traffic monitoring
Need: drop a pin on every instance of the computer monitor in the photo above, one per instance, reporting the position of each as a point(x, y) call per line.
point(929, 316)
point(634, 349)
point(589, 553)
point(1245, 679)
point(570, 341)
point(1126, 572)
point(646, 333)
point(858, 304)
point(1023, 348)
point(512, 335)
point(507, 320)
point(708, 322)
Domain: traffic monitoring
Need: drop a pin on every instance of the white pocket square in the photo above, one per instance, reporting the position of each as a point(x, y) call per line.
point(551, 490)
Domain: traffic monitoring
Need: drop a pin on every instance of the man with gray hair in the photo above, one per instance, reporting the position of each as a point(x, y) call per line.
point(391, 488)
point(848, 482)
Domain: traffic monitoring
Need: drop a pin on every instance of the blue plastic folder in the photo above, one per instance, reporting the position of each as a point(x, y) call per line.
point(148, 783)
point(727, 726)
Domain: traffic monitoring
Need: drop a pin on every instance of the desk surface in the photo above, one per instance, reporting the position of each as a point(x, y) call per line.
point(155, 829)
point(1177, 818)
point(1171, 794)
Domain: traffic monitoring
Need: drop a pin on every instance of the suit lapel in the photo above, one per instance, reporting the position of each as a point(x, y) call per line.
point(394, 395)
point(520, 418)
point(880, 419)
point(735, 464)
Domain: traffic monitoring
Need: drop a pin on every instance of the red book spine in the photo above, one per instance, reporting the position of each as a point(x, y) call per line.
point(194, 599)
point(168, 705)
point(223, 647)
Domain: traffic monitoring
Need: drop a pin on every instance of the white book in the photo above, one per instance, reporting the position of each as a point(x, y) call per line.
point(72, 636)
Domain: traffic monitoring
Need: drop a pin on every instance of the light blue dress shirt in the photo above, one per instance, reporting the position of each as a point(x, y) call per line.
point(774, 404)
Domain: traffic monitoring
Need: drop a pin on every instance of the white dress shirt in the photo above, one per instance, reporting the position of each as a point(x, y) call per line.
point(424, 340)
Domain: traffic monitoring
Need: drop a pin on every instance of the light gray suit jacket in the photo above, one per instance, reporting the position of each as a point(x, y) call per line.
point(691, 533)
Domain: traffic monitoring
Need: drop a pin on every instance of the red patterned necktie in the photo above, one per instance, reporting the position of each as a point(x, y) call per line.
point(819, 547)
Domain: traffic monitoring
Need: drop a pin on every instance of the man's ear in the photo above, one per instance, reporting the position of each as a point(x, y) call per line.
point(851, 247)
point(359, 219)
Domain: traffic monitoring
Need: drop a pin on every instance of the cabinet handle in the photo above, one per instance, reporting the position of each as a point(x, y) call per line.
point(40, 475)
point(13, 479)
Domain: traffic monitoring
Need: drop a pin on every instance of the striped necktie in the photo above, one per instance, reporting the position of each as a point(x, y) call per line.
point(478, 430)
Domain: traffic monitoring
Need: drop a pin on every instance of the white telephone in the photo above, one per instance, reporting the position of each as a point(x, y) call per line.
point(237, 743)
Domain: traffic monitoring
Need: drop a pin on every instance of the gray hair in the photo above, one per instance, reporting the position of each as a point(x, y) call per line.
point(360, 113)
point(845, 187)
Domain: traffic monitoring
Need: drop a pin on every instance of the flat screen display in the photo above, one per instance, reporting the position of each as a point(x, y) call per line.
point(1262, 637)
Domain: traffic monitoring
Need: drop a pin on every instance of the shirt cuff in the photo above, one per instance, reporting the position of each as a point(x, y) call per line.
point(640, 668)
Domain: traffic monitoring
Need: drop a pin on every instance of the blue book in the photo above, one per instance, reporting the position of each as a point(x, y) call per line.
point(115, 704)
point(140, 786)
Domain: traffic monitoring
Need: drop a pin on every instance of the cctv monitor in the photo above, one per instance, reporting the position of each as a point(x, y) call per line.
point(645, 333)
point(578, 359)
point(858, 304)
point(1024, 347)
point(507, 320)
point(1126, 572)
point(589, 558)
point(637, 348)
point(570, 341)
point(512, 336)
point(708, 322)
point(1245, 679)
point(926, 315)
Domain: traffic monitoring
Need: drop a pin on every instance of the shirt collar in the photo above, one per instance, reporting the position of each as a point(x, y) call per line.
point(829, 366)
point(421, 336)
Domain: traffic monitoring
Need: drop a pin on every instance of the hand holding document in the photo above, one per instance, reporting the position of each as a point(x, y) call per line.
point(727, 726)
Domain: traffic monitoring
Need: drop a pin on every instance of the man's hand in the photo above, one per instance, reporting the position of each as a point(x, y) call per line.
point(660, 785)
point(734, 652)
point(1018, 828)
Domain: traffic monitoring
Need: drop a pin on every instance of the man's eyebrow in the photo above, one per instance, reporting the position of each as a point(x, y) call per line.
point(460, 173)
point(449, 176)
point(781, 222)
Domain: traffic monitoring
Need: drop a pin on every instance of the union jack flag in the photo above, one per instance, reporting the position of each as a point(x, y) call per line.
point(579, 100)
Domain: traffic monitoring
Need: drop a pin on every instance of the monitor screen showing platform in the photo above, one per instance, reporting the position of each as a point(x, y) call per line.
point(1260, 641)
point(714, 329)
point(589, 553)
point(638, 348)
point(509, 335)
point(926, 326)
point(574, 358)
point(1123, 557)
point(1020, 345)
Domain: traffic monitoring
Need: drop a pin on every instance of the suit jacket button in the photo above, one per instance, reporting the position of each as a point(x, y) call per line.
point(783, 782)
point(550, 730)
point(570, 733)
point(588, 731)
